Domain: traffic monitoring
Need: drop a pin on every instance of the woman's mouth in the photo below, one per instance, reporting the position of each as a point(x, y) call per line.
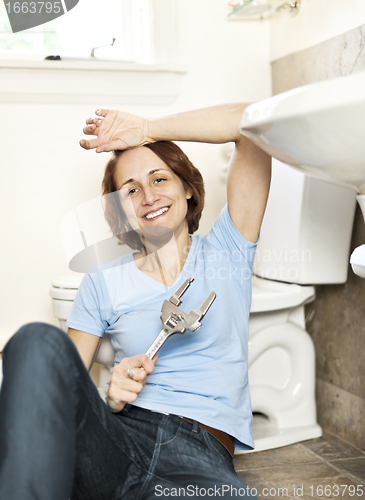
point(154, 215)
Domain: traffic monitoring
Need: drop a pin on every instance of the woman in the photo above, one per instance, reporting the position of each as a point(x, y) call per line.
point(173, 421)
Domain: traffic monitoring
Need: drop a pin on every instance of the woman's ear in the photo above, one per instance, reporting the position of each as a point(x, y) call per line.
point(188, 195)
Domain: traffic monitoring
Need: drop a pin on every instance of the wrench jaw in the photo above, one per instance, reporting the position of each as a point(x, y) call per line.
point(196, 316)
point(175, 298)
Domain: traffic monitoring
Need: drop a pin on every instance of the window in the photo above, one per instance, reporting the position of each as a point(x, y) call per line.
point(145, 32)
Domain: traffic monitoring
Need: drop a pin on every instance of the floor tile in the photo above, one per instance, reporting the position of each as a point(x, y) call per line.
point(254, 480)
point(302, 471)
point(354, 466)
point(330, 447)
point(287, 455)
point(297, 473)
point(263, 490)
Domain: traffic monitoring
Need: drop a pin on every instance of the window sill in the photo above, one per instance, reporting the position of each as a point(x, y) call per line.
point(78, 81)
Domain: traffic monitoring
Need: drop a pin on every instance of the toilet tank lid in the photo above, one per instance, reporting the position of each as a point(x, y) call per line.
point(70, 281)
point(273, 295)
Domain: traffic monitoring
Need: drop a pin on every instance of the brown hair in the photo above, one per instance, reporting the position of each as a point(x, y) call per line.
point(180, 164)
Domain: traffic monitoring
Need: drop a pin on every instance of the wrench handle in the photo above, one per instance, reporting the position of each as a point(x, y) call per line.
point(158, 343)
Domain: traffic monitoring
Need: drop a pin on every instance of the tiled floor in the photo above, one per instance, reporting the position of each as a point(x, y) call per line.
point(303, 470)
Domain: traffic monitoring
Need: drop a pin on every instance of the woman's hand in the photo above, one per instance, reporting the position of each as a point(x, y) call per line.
point(122, 389)
point(115, 130)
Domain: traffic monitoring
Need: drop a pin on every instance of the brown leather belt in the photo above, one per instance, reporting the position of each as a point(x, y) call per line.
point(225, 439)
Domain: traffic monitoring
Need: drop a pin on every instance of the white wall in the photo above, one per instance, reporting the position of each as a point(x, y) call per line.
point(45, 174)
point(317, 21)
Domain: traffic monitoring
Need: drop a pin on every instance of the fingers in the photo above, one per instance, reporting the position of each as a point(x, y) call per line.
point(115, 145)
point(92, 144)
point(144, 361)
point(93, 122)
point(101, 148)
point(125, 388)
point(101, 112)
point(122, 390)
point(93, 127)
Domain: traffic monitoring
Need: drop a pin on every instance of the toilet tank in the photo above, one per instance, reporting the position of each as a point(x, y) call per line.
point(306, 230)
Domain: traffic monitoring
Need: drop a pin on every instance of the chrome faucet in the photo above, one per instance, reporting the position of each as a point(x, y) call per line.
point(100, 46)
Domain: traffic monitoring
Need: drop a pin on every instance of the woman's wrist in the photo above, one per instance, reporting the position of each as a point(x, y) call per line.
point(113, 407)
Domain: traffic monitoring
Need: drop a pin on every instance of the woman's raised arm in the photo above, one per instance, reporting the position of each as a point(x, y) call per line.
point(249, 170)
point(119, 130)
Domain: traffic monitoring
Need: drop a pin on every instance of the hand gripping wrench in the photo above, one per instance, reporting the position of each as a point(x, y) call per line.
point(175, 320)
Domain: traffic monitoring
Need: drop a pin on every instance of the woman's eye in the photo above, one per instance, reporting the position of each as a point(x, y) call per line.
point(132, 191)
point(160, 179)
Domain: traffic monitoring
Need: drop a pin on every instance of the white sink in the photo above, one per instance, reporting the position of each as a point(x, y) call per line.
point(319, 128)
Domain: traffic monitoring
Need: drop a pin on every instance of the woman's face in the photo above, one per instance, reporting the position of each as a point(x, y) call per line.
point(151, 194)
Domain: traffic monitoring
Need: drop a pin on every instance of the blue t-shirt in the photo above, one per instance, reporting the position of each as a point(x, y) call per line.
point(200, 375)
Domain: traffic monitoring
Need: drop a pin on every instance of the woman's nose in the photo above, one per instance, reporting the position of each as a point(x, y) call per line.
point(149, 196)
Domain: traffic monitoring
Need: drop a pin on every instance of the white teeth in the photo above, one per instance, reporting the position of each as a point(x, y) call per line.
point(155, 214)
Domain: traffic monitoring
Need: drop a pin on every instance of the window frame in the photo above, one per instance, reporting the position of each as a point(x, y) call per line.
point(162, 34)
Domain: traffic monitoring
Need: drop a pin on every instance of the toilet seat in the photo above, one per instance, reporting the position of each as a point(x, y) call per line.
point(63, 292)
point(267, 295)
point(270, 295)
point(65, 287)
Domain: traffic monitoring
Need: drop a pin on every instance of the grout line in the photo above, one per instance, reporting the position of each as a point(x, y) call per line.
point(276, 467)
point(342, 471)
point(347, 474)
point(338, 387)
point(314, 453)
point(346, 458)
point(344, 440)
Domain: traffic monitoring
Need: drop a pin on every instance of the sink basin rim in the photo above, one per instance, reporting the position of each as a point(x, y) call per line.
point(309, 100)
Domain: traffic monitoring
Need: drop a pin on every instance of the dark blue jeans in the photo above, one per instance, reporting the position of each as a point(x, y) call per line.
point(59, 440)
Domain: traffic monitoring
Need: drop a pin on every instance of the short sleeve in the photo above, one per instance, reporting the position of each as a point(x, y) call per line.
point(226, 237)
point(86, 314)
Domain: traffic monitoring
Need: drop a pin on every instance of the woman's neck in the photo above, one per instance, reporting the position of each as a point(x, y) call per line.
point(164, 264)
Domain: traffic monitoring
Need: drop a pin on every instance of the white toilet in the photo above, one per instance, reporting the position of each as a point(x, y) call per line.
point(305, 240)
point(63, 292)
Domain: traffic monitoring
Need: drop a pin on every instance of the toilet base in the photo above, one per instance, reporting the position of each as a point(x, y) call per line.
point(268, 436)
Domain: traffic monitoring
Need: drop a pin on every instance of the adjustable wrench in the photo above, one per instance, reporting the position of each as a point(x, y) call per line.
point(175, 320)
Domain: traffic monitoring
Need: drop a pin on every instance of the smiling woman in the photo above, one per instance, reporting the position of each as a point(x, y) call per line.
point(171, 421)
point(174, 162)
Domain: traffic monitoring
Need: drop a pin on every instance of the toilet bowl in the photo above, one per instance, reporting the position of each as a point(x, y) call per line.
point(281, 365)
point(63, 292)
point(305, 240)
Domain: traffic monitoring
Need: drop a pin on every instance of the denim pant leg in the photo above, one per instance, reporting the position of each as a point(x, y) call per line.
point(187, 461)
point(58, 439)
